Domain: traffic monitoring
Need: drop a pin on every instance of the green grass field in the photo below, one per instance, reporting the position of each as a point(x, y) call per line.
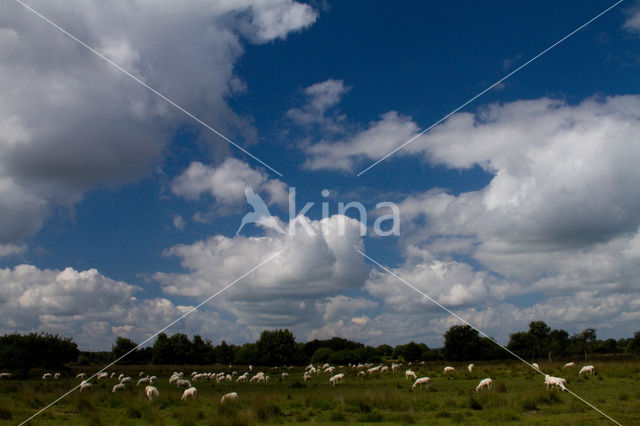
point(518, 397)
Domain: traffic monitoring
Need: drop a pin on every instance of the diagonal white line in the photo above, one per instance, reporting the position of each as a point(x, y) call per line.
point(478, 330)
point(151, 89)
point(491, 87)
point(158, 332)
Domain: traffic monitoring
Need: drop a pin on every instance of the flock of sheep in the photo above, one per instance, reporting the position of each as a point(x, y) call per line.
point(190, 391)
point(486, 383)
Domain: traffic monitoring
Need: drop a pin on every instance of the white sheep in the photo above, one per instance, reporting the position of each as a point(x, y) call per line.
point(242, 378)
point(174, 378)
point(121, 376)
point(449, 370)
point(384, 369)
point(141, 374)
point(556, 382)
point(337, 379)
point(587, 369)
point(151, 392)
point(47, 376)
point(5, 375)
point(125, 379)
point(182, 383)
point(85, 386)
point(285, 375)
point(229, 378)
point(267, 379)
point(374, 370)
point(103, 375)
point(329, 370)
point(361, 374)
point(251, 368)
point(229, 397)
point(569, 364)
point(470, 368)
point(152, 379)
point(118, 387)
point(409, 374)
point(191, 392)
point(81, 376)
point(306, 377)
point(113, 374)
point(535, 365)
point(143, 380)
point(56, 376)
point(422, 381)
point(484, 383)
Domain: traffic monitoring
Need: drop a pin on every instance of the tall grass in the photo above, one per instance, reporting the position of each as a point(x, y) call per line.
point(518, 395)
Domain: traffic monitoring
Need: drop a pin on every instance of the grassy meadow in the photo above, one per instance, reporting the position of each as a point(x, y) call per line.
point(518, 397)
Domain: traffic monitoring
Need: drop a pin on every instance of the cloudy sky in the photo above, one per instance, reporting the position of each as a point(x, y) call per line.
point(119, 212)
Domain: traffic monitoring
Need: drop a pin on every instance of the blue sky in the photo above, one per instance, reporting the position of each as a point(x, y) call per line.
point(121, 212)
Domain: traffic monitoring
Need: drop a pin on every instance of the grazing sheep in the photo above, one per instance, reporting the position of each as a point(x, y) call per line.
point(329, 370)
point(152, 379)
point(250, 368)
point(384, 369)
point(409, 374)
point(174, 378)
point(183, 383)
point(587, 369)
point(242, 378)
point(556, 382)
point(56, 376)
point(535, 365)
point(267, 379)
point(569, 364)
point(191, 392)
point(103, 375)
point(85, 386)
point(143, 380)
point(125, 379)
point(306, 377)
point(422, 381)
point(229, 378)
point(361, 374)
point(484, 383)
point(118, 387)
point(47, 376)
point(229, 397)
point(449, 370)
point(285, 375)
point(121, 376)
point(140, 374)
point(81, 376)
point(151, 392)
point(113, 374)
point(470, 368)
point(5, 375)
point(373, 370)
point(337, 379)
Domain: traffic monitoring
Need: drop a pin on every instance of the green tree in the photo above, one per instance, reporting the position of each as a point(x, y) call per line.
point(633, 347)
point(161, 350)
point(122, 347)
point(321, 356)
point(461, 342)
point(276, 347)
point(224, 353)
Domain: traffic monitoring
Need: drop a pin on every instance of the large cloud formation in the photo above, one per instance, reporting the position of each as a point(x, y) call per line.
point(297, 289)
point(94, 309)
point(69, 121)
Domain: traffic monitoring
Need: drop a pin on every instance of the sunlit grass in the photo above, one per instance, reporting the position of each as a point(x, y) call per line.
point(518, 396)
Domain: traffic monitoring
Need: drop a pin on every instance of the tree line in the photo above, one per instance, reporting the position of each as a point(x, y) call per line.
point(21, 353)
